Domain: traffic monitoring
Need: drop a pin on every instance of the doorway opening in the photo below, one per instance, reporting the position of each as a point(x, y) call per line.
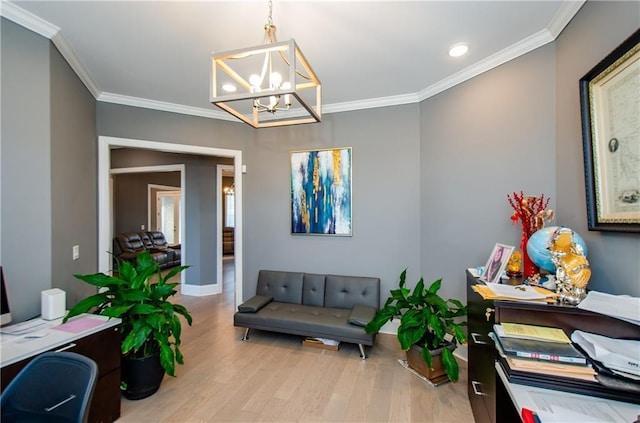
point(105, 224)
point(167, 214)
point(226, 222)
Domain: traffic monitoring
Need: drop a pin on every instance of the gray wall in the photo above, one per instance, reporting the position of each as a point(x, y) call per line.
point(48, 164)
point(598, 29)
point(73, 180)
point(131, 198)
point(26, 158)
point(386, 198)
point(482, 140)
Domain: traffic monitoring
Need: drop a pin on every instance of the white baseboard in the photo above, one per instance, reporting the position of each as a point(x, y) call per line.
point(200, 290)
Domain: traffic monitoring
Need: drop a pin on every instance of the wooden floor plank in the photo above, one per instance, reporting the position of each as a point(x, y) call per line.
point(272, 378)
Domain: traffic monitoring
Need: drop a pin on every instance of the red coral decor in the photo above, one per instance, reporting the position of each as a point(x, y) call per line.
point(531, 212)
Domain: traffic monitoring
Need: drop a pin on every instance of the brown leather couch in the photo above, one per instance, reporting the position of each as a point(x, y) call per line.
point(228, 240)
point(128, 245)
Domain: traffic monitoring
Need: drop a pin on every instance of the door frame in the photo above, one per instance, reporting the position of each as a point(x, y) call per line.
point(105, 224)
point(154, 198)
point(220, 217)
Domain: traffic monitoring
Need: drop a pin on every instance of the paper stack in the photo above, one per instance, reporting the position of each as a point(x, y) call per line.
point(528, 293)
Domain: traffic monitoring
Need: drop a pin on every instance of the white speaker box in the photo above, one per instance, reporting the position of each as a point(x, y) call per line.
point(53, 303)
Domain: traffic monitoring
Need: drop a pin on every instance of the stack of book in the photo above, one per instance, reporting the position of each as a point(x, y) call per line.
point(541, 350)
point(545, 357)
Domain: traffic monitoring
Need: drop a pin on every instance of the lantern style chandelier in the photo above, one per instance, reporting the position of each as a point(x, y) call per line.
point(267, 85)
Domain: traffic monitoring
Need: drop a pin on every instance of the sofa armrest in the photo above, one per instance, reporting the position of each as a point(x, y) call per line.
point(254, 304)
point(361, 315)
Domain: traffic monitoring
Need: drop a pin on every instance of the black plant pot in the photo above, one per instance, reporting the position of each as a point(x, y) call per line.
point(142, 376)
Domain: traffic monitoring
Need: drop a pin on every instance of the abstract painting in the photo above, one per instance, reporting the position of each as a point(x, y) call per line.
point(321, 192)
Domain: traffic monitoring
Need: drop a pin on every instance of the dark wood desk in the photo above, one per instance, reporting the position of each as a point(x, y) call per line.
point(100, 343)
point(489, 399)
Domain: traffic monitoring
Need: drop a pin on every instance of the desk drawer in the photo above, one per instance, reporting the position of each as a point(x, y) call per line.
point(102, 347)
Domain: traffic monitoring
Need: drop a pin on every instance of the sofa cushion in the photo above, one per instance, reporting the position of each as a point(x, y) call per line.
point(296, 319)
point(361, 315)
point(347, 291)
point(254, 304)
point(313, 290)
point(282, 286)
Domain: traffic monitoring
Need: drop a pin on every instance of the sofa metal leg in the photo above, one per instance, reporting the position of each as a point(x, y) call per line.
point(362, 354)
point(246, 335)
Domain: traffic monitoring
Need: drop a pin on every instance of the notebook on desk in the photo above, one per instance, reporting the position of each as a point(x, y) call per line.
point(573, 385)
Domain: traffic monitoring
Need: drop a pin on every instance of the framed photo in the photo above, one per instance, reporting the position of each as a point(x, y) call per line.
point(321, 192)
point(496, 263)
point(610, 106)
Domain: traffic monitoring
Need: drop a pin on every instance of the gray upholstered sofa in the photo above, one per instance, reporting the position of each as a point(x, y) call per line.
point(320, 306)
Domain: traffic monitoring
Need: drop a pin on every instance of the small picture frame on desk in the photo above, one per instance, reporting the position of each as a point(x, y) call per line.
point(496, 263)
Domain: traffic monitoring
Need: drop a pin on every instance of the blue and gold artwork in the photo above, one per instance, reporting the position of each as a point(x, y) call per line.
point(321, 192)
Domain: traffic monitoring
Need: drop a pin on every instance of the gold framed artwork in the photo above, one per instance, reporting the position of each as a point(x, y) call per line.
point(321, 192)
point(610, 108)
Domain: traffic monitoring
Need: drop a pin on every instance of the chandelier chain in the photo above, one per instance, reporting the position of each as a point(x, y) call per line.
point(270, 20)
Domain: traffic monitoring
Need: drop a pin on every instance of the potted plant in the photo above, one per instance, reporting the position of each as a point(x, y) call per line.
point(151, 327)
point(426, 321)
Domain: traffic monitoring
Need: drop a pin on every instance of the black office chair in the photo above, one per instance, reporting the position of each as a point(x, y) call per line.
point(53, 387)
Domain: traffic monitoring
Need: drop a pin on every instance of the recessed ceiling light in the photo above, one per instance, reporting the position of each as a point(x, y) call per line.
point(230, 88)
point(458, 50)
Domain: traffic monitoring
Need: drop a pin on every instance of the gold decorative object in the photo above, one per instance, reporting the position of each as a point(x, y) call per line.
point(514, 265)
point(572, 267)
point(268, 85)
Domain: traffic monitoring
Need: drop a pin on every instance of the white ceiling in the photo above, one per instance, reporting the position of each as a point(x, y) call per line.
point(156, 54)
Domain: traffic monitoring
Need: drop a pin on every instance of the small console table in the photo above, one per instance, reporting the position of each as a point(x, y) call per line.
point(96, 337)
point(490, 394)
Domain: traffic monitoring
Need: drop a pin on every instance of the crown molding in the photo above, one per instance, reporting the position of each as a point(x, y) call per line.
point(76, 64)
point(41, 27)
point(516, 50)
point(371, 103)
point(559, 21)
point(563, 16)
point(27, 19)
point(164, 106)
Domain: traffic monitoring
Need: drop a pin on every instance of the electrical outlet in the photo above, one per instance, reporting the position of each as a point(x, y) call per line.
point(76, 252)
point(142, 227)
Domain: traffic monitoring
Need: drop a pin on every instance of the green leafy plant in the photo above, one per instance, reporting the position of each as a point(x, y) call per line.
point(425, 320)
point(139, 296)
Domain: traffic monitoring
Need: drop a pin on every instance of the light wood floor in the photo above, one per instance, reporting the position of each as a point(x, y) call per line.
point(273, 378)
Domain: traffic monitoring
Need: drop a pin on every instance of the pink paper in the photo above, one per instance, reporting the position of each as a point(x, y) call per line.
point(80, 324)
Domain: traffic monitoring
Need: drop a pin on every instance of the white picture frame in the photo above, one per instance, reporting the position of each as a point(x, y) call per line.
point(496, 263)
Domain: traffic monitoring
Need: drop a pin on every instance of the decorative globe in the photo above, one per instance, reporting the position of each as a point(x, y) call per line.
point(538, 247)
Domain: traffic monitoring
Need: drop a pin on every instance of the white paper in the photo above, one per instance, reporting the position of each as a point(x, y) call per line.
point(326, 341)
point(521, 292)
point(619, 306)
point(562, 408)
point(616, 354)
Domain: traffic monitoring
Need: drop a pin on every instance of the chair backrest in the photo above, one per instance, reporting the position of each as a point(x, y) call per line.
point(146, 240)
point(130, 242)
point(54, 386)
point(158, 239)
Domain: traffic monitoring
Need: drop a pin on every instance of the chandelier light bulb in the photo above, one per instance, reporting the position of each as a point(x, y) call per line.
point(276, 79)
point(255, 82)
